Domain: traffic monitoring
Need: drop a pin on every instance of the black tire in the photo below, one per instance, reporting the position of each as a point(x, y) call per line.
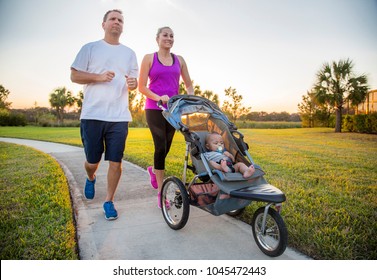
point(176, 208)
point(273, 241)
point(235, 213)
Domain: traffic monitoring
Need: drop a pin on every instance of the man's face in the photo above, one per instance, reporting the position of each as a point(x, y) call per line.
point(113, 23)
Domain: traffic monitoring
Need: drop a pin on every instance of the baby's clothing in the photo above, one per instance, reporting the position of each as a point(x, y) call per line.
point(218, 157)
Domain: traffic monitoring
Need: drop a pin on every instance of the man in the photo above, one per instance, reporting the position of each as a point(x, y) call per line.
point(108, 70)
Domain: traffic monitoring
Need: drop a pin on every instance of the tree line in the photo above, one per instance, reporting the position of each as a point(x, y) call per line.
point(336, 86)
point(66, 108)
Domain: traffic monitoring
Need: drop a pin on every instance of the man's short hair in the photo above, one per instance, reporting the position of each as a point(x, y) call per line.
point(108, 12)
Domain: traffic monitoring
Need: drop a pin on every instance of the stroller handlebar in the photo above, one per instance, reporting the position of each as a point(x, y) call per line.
point(159, 104)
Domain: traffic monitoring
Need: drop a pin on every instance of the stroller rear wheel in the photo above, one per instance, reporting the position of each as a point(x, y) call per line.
point(176, 208)
point(273, 239)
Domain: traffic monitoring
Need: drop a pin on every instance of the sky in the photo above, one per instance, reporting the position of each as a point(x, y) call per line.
point(269, 51)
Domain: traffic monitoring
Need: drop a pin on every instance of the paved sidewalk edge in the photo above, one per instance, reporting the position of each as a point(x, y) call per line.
point(80, 217)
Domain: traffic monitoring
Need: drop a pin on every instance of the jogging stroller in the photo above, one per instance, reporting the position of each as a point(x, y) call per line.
point(212, 190)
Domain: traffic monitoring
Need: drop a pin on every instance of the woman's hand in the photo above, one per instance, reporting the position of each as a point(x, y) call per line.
point(164, 99)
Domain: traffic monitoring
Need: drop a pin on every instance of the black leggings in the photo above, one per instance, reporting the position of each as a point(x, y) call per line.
point(162, 133)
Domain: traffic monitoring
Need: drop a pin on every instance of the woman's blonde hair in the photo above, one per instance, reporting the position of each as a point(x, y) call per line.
point(162, 28)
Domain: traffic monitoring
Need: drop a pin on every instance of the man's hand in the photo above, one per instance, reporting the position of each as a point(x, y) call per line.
point(131, 83)
point(106, 76)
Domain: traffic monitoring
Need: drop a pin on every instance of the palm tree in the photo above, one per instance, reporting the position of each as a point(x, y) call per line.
point(79, 99)
point(59, 99)
point(337, 84)
point(197, 91)
point(211, 96)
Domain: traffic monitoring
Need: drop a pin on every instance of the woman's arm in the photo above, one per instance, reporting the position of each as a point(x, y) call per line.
point(186, 76)
point(143, 80)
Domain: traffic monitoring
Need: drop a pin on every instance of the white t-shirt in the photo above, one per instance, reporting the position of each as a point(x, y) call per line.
point(106, 101)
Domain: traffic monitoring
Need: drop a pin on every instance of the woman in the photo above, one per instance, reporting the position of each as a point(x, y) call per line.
point(163, 69)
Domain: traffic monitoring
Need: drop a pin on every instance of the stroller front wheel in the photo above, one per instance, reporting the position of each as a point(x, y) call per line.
point(273, 239)
point(175, 203)
point(235, 213)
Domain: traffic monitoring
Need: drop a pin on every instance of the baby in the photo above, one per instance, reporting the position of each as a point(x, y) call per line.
point(223, 160)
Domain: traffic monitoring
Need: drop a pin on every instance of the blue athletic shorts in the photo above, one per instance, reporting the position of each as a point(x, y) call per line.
point(100, 136)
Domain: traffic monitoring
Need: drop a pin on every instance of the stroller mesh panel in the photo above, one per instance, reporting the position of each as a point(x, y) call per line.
point(209, 197)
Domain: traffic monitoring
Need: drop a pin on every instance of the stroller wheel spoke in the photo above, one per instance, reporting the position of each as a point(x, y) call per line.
point(273, 240)
point(176, 207)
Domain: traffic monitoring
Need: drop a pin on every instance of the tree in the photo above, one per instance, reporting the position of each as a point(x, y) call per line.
point(59, 99)
point(137, 102)
point(307, 109)
point(233, 106)
point(182, 88)
point(337, 84)
point(4, 93)
point(79, 99)
point(211, 96)
point(197, 91)
point(313, 113)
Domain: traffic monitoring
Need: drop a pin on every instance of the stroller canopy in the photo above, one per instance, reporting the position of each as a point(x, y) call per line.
point(181, 105)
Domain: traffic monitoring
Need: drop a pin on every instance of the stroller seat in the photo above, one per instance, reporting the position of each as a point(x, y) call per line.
point(227, 177)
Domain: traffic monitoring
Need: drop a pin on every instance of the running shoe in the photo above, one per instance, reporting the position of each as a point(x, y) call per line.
point(167, 203)
point(89, 190)
point(110, 211)
point(152, 177)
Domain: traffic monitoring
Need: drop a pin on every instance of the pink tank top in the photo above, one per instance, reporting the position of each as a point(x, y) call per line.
point(163, 80)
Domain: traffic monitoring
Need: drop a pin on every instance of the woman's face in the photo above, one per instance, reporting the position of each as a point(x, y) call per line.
point(166, 38)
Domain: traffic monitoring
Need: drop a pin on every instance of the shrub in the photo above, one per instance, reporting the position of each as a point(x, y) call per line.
point(11, 119)
point(4, 117)
point(348, 123)
point(360, 123)
point(271, 125)
point(372, 122)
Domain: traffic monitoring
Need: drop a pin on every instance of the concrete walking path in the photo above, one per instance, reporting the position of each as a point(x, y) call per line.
point(140, 232)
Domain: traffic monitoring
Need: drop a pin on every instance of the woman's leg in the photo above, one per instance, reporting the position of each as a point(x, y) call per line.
point(162, 134)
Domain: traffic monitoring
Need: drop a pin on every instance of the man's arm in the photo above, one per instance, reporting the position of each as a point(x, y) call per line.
point(81, 77)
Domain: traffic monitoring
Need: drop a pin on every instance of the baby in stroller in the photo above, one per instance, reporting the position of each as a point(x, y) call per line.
point(223, 160)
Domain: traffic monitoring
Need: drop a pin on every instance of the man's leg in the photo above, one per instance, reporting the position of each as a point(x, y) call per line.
point(115, 141)
point(91, 169)
point(113, 176)
point(91, 137)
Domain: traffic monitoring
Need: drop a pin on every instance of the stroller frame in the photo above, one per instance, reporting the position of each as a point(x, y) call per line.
point(219, 193)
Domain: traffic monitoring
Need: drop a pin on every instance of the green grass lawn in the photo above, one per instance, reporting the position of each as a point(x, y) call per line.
point(330, 180)
point(35, 208)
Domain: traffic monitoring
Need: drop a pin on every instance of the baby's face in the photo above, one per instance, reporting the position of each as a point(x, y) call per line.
point(214, 142)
